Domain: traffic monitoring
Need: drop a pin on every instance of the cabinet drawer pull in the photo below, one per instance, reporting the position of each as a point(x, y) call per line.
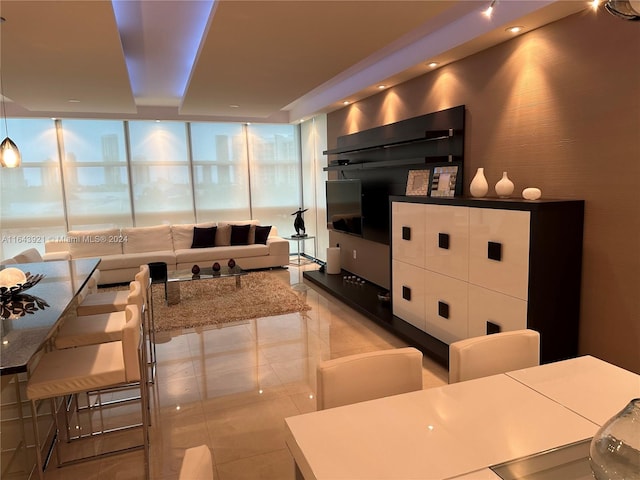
point(406, 233)
point(443, 241)
point(493, 328)
point(406, 293)
point(443, 309)
point(494, 251)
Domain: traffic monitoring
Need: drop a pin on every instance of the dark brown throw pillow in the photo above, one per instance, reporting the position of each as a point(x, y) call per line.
point(240, 234)
point(204, 237)
point(262, 233)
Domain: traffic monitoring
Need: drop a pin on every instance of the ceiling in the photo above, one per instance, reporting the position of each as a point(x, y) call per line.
point(235, 60)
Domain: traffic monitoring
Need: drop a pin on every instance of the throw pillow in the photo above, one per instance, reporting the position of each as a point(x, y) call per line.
point(240, 234)
point(262, 233)
point(223, 236)
point(204, 237)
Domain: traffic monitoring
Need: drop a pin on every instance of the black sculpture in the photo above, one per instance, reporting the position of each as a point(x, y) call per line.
point(298, 223)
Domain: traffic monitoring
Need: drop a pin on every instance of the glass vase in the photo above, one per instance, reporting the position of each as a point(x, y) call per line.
point(615, 449)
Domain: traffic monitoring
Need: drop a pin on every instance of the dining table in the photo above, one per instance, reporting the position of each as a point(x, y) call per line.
point(481, 429)
point(28, 322)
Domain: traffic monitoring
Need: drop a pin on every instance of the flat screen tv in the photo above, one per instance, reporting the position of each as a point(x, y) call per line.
point(344, 206)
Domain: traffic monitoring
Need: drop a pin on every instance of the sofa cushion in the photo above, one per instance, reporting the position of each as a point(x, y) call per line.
point(95, 243)
point(223, 236)
point(262, 233)
point(204, 237)
point(240, 234)
point(252, 229)
point(147, 239)
point(204, 257)
point(182, 234)
point(134, 260)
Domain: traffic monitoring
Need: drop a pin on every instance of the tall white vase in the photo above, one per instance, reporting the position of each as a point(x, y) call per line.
point(479, 186)
point(504, 187)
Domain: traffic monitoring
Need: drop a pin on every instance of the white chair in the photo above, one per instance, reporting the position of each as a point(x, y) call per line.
point(72, 371)
point(103, 302)
point(367, 376)
point(100, 328)
point(196, 464)
point(144, 278)
point(492, 354)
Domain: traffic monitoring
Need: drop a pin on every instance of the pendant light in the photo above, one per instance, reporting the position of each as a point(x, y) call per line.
point(9, 153)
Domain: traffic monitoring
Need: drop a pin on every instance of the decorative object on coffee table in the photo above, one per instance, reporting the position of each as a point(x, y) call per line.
point(298, 223)
point(231, 263)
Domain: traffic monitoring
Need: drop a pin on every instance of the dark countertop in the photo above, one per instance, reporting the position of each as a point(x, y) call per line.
point(22, 336)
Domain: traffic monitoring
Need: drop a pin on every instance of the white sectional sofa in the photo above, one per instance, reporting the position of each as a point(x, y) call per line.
point(123, 250)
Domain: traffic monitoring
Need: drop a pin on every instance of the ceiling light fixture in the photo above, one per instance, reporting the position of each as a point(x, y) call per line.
point(487, 13)
point(346, 102)
point(233, 105)
point(515, 29)
point(381, 87)
point(433, 64)
point(9, 153)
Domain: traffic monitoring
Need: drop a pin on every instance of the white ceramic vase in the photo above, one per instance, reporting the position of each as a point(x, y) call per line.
point(504, 187)
point(479, 186)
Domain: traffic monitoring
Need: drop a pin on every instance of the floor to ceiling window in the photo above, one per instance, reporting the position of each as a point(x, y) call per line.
point(96, 179)
point(160, 173)
point(274, 161)
point(31, 201)
point(220, 171)
point(87, 174)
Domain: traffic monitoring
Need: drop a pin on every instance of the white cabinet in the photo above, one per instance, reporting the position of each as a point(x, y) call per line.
point(499, 250)
point(469, 267)
point(491, 311)
point(408, 230)
point(445, 307)
point(447, 240)
point(408, 293)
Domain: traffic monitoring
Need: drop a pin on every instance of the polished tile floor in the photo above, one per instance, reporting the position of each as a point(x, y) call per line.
point(231, 388)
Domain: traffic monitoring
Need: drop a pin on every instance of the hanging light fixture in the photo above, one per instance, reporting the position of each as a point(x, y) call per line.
point(625, 9)
point(9, 153)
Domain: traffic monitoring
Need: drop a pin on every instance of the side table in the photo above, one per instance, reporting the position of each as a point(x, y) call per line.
point(300, 260)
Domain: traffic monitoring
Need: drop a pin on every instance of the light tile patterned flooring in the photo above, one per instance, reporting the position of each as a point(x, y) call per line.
point(232, 387)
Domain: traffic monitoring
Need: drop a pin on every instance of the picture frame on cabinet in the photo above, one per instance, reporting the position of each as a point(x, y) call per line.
point(445, 181)
point(418, 183)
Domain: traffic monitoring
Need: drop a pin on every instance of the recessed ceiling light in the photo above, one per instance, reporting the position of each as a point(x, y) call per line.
point(346, 102)
point(514, 29)
point(487, 13)
point(433, 64)
point(233, 105)
point(381, 87)
point(73, 100)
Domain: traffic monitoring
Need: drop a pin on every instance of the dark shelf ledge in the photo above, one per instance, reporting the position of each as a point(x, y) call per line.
point(337, 151)
point(364, 299)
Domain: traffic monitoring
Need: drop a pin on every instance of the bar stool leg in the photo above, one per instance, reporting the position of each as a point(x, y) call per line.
point(36, 433)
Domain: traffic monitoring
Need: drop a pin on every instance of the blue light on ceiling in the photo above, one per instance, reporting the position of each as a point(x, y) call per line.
point(142, 21)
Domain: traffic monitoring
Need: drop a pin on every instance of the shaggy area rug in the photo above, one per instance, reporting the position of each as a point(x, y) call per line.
point(217, 301)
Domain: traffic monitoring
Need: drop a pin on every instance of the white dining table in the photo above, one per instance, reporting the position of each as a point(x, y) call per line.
point(460, 430)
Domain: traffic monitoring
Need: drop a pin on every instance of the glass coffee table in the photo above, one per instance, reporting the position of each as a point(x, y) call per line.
point(176, 277)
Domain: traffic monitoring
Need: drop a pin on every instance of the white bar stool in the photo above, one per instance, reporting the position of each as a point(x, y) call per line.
point(69, 372)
